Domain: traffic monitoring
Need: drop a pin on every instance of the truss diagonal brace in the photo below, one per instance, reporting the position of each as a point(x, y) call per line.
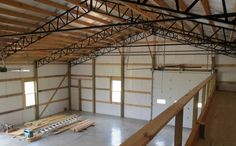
point(55, 24)
point(99, 52)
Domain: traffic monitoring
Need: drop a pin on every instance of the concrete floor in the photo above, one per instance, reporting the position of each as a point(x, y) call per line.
point(109, 131)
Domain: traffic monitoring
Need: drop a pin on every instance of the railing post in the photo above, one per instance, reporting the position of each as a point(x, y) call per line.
point(208, 89)
point(203, 97)
point(179, 128)
point(195, 108)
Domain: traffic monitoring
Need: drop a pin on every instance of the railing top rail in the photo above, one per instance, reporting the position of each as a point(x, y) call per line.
point(145, 134)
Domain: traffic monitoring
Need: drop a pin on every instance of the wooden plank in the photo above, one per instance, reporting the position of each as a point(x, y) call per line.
point(54, 101)
point(122, 76)
point(195, 109)
point(36, 90)
point(50, 89)
point(178, 128)
point(69, 85)
point(203, 97)
point(11, 95)
point(94, 84)
point(83, 125)
point(79, 95)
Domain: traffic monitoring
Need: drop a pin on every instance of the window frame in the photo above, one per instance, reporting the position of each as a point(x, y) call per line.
point(24, 94)
point(111, 89)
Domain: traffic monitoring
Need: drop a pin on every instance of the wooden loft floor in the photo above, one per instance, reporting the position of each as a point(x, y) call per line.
point(221, 121)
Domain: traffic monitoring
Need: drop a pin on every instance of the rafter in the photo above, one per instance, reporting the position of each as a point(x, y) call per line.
point(207, 9)
point(60, 23)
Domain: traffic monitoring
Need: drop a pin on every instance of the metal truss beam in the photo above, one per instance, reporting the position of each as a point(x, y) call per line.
point(55, 24)
point(105, 33)
point(161, 32)
point(102, 51)
point(224, 45)
point(170, 10)
point(165, 18)
point(207, 42)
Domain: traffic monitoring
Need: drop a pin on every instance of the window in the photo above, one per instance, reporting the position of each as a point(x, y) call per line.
point(116, 91)
point(161, 101)
point(29, 93)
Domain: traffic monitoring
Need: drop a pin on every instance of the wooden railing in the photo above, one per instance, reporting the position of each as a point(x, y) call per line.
point(150, 130)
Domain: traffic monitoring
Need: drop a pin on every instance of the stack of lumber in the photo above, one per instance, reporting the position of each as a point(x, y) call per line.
point(45, 120)
point(53, 125)
point(82, 125)
point(41, 123)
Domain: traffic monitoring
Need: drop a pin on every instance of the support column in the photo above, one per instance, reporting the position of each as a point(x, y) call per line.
point(69, 84)
point(179, 128)
point(203, 97)
point(122, 103)
point(94, 84)
point(79, 95)
point(153, 56)
point(152, 90)
point(36, 90)
point(195, 109)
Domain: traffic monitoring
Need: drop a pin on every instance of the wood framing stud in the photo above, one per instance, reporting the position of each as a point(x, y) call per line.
point(94, 84)
point(203, 97)
point(79, 95)
point(179, 128)
point(195, 109)
point(69, 85)
point(36, 90)
point(122, 83)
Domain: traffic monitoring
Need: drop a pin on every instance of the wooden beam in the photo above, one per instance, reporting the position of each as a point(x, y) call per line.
point(203, 97)
point(36, 83)
point(79, 95)
point(69, 84)
point(122, 76)
point(195, 109)
point(63, 7)
point(179, 128)
point(207, 9)
point(94, 84)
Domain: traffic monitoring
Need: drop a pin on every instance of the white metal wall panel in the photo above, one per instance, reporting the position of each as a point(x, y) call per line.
point(45, 96)
point(10, 87)
point(103, 95)
point(137, 112)
point(74, 98)
point(114, 109)
point(47, 83)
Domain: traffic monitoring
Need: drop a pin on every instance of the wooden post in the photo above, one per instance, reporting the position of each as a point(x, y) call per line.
point(36, 90)
point(94, 84)
point(122, 109)
point(69, 85)
point(79, 95)
point(208, 90)
point(179, 128)
point(195, 109)
point(203, 97)
point(152, 90)
point(213, 60)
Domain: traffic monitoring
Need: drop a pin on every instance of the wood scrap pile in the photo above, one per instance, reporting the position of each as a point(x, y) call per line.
point(82, 125)
point(53, 125)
